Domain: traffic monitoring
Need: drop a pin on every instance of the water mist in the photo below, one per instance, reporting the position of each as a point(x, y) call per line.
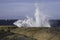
point(40, 20)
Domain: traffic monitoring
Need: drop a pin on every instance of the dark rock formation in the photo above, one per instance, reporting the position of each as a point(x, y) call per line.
point(7, 35)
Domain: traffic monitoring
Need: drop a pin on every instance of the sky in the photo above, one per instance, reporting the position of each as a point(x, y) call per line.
point(18, 9)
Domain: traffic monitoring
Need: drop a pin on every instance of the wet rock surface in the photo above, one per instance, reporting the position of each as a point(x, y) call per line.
point(6, 35)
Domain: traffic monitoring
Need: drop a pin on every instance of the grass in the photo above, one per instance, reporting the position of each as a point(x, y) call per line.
point(42, 33)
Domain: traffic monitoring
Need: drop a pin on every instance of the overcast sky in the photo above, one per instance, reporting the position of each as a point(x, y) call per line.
point(18, 9)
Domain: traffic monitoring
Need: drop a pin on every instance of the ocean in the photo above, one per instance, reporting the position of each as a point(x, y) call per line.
point(53, 23)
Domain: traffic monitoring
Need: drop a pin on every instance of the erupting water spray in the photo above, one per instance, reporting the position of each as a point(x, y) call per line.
point(40, 20)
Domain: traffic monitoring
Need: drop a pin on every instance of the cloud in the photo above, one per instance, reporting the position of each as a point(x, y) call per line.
point(16, 9)
point(52, 9)
point(21, 9)
point(28, 1)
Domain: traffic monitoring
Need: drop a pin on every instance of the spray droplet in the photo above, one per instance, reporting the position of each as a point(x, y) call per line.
point(40, 20)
